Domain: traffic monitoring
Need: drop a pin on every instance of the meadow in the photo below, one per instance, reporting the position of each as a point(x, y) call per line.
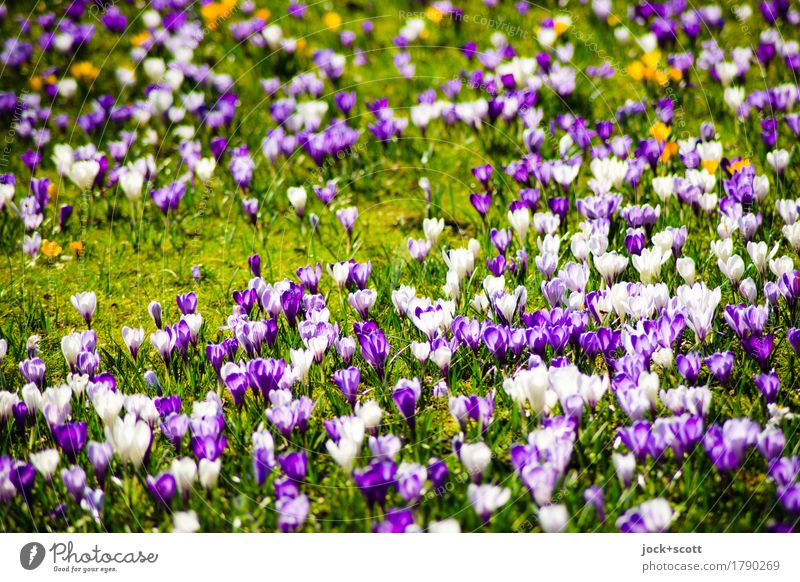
point(399, 266)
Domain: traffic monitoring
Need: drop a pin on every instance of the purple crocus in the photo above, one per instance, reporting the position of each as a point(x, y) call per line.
point(162, 488)
point(406, 393)
point(174, 427)
point(397, 520)
point(347, 218)
point(481, 203)
point(769, 385)
point(345, 101)
point(71, 438)
point(254, 262)
point(483, 174)
point(594, 497)
point(99, 455)
point(689, 366)
point(33, 371)
point(309, 277)
point(265, 374)
point(326, 193)
point(292, 512)
point(347, 381)
point(295, 465)
point(187, 303)
point(437, 473)
point(759, 348)
point(496, 340)
point(727, 445)
point(721, 365)
point(375, 481)
point(374, 346)
point(154, 308)
point(74, 480)
point(237, 384)
point(64, 213)
point(290, 303)
point(169, 197)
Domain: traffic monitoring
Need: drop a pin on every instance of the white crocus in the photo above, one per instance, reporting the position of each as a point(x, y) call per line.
point(553, 518)
point(664, 187)
point(131, 183)
point(344, 452)
point(781, 265)
point(758, 254)
point(433, 227)
point(83, 173)
point(459, 261)
point(370, 412)
point(340, 273)
point(529, 386)
point(722, 249)
point(208, 472)
point(185, 472)
point(779, 160)
point(475, 457)
point(297, 198)
point(701, 304)
point(130, 438)
point(71, 346)
point(46, 462)
point(686, 270)
point(649, 263)
point(204, 169)
point(610, 265)
point(185, 522)
point(63, 158)
point(733, 268)
point(792, 234)
point(520, 221)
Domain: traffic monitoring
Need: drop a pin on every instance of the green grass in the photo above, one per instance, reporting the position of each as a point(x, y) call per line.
point(132, 256)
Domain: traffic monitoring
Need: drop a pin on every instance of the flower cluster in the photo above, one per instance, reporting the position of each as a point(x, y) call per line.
point(504, 302)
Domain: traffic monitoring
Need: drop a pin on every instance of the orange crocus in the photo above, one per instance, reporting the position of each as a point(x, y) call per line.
point(50, 248)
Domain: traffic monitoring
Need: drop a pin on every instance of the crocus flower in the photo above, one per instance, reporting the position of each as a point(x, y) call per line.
point(721, 365)
point(133, 338)
point(85, 304)
point(162, 488)
point(405, 394)
point(375, 481)
point(295, 465)
point(347, 381)
point(374, 347)
point(309, 277)
point(397, 521)
point(169, 197)
point(187, 303)
point(768, 384)
point(154, 308)
point(594, 496)
point(74, 479)
point(71, 438)
point(486, 499)
point(99, 455)
point(254, 262)
point(653, 516)
point(347, 218)
point(689, 366)
point(174, 427)
point(130, 439)
point(292, 512)
point(46, 462)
